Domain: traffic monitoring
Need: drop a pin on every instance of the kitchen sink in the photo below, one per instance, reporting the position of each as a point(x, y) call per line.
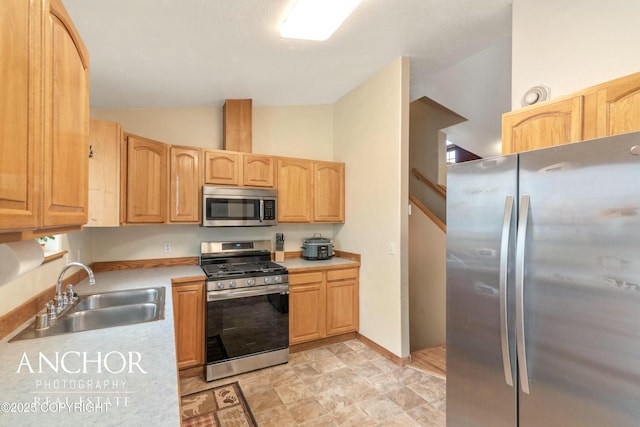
point(103, 310)
point(128, 297)
point(100, 318)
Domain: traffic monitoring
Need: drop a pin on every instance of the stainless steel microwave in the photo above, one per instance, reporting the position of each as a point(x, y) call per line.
point(238, 207)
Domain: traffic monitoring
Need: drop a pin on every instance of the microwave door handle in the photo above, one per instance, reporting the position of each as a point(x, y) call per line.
point(261, 210)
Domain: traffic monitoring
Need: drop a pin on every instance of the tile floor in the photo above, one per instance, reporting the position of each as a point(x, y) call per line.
point(343, 384)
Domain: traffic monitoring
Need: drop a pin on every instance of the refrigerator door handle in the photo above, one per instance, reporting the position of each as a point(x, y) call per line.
point(520, 257)
point(504, 266)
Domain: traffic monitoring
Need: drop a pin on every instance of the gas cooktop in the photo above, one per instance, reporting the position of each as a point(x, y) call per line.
point(240, 264)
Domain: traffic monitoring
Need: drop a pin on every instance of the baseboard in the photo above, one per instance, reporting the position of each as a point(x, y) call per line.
point(400, 361)
point(194, 371)
point(295, 348)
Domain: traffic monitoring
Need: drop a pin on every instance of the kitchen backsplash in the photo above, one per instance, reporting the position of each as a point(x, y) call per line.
point(148, 241)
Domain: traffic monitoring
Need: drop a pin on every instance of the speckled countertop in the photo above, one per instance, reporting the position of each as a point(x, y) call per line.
point(57, 380)
point(298, 264)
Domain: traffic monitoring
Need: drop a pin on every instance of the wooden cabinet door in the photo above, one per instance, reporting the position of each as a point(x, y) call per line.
point(258, 170)
point(618, 105)
point(66, 120)
point(545, 125)
point(146, 180)
point(221, 168)
point(328, 192)
point(20, 117)
point(184, 200)
point(342, 301)
point(188, 322)
point(104, 174)
point(307, 302)
point(295, 183)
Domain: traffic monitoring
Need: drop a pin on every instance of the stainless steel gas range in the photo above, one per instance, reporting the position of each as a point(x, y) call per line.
point(247, 317)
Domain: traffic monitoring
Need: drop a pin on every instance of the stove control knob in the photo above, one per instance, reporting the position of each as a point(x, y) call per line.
point(251, 282)
point(220, 285)
point(267, 280)
point(232, 283)
point(278, 279)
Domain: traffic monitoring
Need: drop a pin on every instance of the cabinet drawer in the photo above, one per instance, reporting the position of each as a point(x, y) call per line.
point(300, 278)
point(347, 273)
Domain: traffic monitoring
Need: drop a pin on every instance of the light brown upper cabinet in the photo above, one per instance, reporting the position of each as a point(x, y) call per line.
point(609, 108)
point(66, 109)
point(222, 167)
point(20, 129)
point(554, 123)
point(105, 141)
point(184, 184)
point(618, 106)
point(295, 189)
point(328, 192)
point(258, 170)
point(310, 191)
point(146, 180)
point(44, 113)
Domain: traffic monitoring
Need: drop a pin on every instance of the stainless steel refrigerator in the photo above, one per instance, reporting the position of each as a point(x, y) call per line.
point(543, 287)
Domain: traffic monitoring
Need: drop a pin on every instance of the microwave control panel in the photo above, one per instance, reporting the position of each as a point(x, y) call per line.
point(269, 209)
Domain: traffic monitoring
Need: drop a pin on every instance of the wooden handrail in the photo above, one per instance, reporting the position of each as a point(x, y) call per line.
point(437, 188)
point(441, 225)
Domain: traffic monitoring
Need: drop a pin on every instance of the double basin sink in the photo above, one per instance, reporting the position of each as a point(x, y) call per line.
point(104, 310)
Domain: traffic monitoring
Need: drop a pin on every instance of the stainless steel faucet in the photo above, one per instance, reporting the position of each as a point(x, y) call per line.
point(62, 301)
point(92, 279)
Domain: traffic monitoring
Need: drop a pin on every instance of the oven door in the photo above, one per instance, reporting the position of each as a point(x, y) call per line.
point(246, 323)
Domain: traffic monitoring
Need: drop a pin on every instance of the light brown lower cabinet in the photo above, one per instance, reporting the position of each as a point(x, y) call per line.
point(323, 303)
point(188, 318)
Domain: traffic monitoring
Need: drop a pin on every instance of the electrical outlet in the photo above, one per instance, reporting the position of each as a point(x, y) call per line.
point(166, 246)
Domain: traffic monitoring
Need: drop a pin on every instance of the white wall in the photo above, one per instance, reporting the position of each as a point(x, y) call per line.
point(295, 131)
point(477, 88)
point(146, 241)
point(427, 281)
point(304, 131)
point(196, 127)
point(371, 126)
point(569, 45)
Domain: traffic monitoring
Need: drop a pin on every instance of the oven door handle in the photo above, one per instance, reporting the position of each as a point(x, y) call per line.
point(247, 292)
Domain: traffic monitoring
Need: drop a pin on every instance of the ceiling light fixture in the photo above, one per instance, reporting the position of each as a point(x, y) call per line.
point(316, 19)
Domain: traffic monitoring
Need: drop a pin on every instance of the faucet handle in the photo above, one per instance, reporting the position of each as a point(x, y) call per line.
point(71, 293)
point(58, 302)
point(51, 310)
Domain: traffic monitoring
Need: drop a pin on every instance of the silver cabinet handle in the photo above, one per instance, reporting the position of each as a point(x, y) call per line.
point(504, 270)
point(520, 257)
